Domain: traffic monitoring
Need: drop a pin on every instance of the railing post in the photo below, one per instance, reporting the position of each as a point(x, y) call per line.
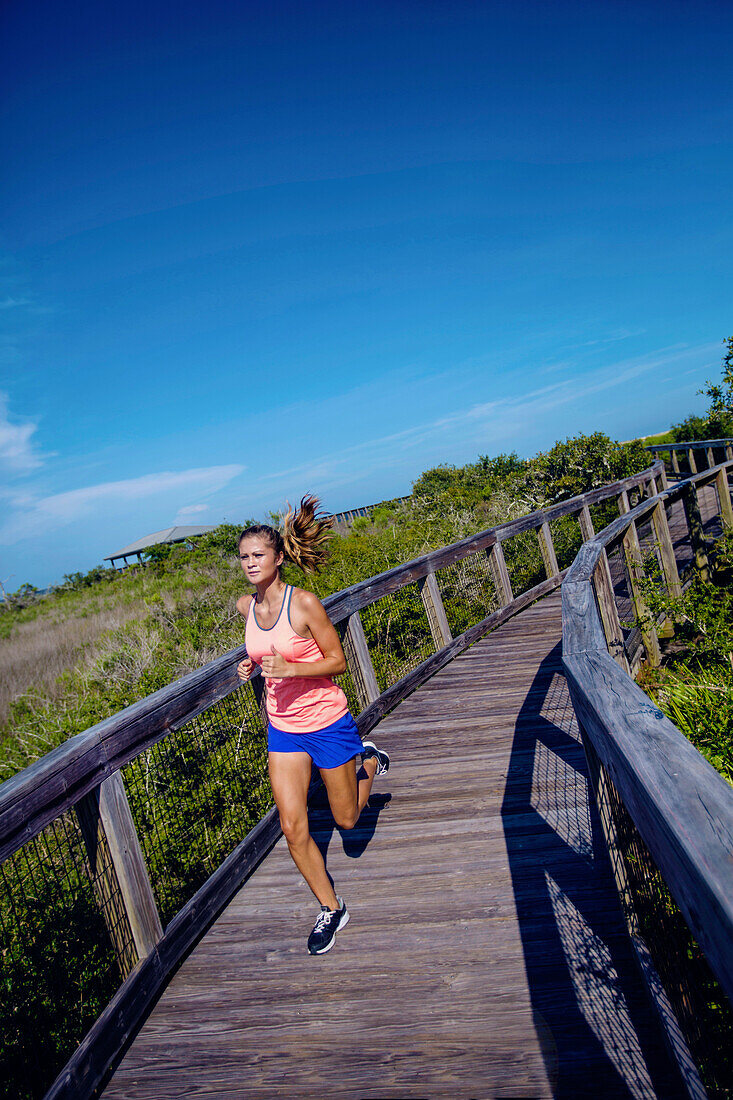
point(500, 573)
point(435, 611)
point(726, 511)
point(675, 460)
point(623, 503)
point(547, 549)
point(710, 457)
point(609, 612)
point(117, 863)
point(635, 566)
point(360, 661)
point(697, 535)
point(728, 452)
point(666, 550)
point(691, 460)
point(585, 520)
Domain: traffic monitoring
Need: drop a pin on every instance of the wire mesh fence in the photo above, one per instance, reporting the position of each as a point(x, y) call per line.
point(59, 965)
point(700, 1005)
point(468, 591)
point(196, 794)
point(524, 561)
point(398, 634)
point(566, 538)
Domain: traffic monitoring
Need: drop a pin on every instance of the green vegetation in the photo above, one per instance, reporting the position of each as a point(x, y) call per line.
point(694, 686)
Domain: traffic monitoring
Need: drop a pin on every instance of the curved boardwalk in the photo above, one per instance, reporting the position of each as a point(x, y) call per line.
point(486, 954)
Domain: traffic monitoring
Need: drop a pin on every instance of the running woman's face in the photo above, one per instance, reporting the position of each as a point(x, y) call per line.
point(258, 559)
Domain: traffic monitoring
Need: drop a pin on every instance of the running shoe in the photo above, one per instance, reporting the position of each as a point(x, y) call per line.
point(328, 923)
point(370, 749)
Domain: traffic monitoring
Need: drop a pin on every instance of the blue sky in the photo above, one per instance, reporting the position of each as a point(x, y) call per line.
point(253, 250)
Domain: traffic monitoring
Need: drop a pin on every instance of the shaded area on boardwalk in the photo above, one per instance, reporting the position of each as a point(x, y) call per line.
point(486, 955)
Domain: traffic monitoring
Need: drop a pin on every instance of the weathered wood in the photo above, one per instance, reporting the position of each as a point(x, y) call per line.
point(728, 452)
point(635, 568)
point(119, 829)
point(676, 1042)
point(500, 574)
point(682, 808)
point(547, 549)
point(623, 502)
point(586, 523)
point(613, 633)
point(91, 1064)
point(675, 460)
point(721, 484)
point(710, 457)
point(360, 661)
point(435, 611)
point(666, 550)
point(691, 460)
point(695, 525)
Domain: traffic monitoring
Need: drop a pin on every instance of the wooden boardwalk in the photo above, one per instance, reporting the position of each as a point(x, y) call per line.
point(486, 954)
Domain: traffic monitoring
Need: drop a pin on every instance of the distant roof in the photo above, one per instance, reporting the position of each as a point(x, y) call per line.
point(170, 534)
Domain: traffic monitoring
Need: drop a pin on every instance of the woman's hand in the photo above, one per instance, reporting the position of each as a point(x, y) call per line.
point(245, 668)
point(276, 666)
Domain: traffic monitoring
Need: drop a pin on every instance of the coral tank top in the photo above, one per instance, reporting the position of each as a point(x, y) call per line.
point(295, 704)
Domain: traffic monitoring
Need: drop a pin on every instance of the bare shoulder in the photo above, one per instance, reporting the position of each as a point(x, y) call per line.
point(243, 604)
point(307, 605)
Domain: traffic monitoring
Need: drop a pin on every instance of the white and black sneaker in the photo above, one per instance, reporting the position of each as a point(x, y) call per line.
point(328, 923)
point(369, 749)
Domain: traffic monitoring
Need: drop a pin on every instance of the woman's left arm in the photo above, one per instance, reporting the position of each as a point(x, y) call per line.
point(311, 614)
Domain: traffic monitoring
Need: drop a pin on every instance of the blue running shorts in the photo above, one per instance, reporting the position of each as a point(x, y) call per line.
point(328, 748)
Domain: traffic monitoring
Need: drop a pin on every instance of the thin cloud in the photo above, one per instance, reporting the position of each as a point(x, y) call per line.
point(46, 514)
point(17, 452)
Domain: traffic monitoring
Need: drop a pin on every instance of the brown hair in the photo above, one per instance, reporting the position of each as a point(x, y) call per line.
point(304, 538)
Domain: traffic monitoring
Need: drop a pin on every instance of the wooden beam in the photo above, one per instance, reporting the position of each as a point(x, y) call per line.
point(586, 523)
point(500, 573)
point(691, 460)
point(623, 502)
point(360, 661)
point(105, 819)
point(435, 611)
point(547, 549)
point(666, 550)
point(726, 511)
point(697, 535)
point(635, 567)
point(710, 457)
point(612, 631)
point(675, 460)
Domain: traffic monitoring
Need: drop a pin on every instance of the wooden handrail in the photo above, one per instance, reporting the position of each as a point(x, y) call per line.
point(681, 806)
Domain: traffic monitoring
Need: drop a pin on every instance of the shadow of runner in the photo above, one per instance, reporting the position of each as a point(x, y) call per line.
point(595, 1025)
point(356, 840)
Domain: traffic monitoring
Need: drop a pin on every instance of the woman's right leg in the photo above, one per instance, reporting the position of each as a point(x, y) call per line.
point(290, 774)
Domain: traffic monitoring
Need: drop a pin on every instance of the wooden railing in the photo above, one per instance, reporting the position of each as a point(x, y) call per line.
point(120, 847)
point(667, 814)
point(688, 457)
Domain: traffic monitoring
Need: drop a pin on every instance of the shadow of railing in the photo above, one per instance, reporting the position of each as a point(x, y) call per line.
point(576, 949)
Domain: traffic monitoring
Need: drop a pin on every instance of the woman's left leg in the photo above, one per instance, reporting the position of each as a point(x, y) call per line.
point(348, 789)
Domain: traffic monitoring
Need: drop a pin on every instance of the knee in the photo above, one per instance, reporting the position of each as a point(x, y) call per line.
point(295, 829)
point(346, 819)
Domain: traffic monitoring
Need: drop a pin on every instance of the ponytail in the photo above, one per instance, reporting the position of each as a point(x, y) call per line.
point(306, 535)
point(304, 538)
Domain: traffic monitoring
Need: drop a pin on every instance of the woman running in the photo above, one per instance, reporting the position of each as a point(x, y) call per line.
point(289, 635)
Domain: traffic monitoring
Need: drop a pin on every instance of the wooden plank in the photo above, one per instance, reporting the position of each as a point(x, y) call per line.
point(726, 511)
point(695, 525)
point(691, 460)
point(636, 574)
point(132, 874)
point(675, 460)
point(360, 661)
point(547, 549)
point(586, 523)
point(500, 574)
point(682, 808)
point(435, 611)
point(666, 550)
